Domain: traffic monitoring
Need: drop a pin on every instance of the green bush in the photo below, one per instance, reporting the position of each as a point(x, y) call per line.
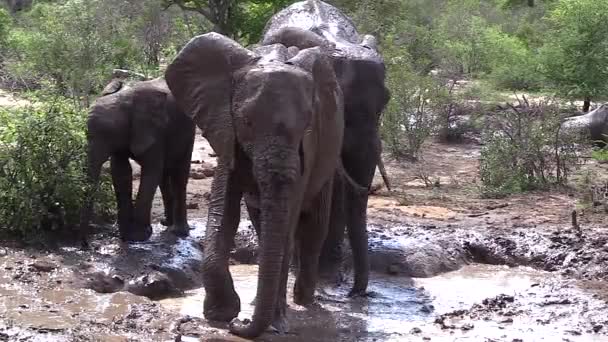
point(411, 115)
point(42, 170)
point(523, 150)
point(512, 65)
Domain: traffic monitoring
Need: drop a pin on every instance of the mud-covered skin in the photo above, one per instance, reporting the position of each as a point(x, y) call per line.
point(276, 121)
point(593, 124)
point(140, 122)
point(361, 73)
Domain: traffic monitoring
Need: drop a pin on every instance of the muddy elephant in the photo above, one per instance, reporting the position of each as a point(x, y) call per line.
point(361, 74)
point(274, 117)
point(144, 123)
point(593, 124)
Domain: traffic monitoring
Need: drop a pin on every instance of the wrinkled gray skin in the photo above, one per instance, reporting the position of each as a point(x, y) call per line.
point(361, 73)
point(275, 119)
point(593, 124)
point(140, 122)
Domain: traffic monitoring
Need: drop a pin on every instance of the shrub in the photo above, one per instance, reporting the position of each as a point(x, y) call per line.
point(410, 116)
point(42, 170)
point(524, 150)
point(512, 64)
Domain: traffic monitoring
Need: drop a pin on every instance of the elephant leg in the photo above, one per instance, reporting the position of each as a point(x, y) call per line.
point(122, 178)
point(221, 302)
point(166, 190)
point(330, 259)
point(151, 176)
point(179, 182)
point(254, 216)
point(356, 221)
point(312, 232)
point(96, 156)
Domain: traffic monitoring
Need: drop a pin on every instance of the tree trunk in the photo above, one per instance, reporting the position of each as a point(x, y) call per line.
point(586, 104)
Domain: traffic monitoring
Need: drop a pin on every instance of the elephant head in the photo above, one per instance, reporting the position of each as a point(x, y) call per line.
point(274, 118)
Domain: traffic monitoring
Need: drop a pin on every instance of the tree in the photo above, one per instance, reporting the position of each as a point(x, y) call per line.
point(575, 57)
point(243, 19)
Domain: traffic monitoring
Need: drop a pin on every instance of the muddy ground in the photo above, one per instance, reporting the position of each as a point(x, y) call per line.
point(448, 265)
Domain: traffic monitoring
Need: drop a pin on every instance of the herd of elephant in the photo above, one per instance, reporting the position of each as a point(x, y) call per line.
point(294, 122)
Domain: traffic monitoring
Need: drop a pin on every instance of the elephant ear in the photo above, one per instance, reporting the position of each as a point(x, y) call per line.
point(315, 61)
point(200, 78)
point(149, 120)
point(328, 95)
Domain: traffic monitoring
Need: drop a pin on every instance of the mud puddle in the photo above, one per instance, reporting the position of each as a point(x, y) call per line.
point(476, 303)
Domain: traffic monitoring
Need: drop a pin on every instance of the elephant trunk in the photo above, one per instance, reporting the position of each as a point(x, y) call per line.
point(277, 192)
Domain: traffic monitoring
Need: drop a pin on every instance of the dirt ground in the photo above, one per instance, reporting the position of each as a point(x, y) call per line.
point(447, 265)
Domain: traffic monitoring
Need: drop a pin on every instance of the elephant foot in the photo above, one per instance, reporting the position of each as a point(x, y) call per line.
point(137, 233)
point(245, 328)
point(222, 310)
point(302, 295)
point(354, 293)
point(181, 230)
point(279, 323)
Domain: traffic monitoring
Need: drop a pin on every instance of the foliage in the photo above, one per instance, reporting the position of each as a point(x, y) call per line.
point(575, 56)
point(410, 116)
point(238, 19)
point(512, 65)
point(600, 154)
point(523, 150)
point(42, 163)
point(72, 46)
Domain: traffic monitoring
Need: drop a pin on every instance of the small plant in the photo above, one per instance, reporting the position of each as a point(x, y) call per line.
point(524, 150)
point(42, 170)
point(601, 154)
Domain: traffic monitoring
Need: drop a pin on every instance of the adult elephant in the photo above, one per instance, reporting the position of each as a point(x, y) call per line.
point(361, 74)
point(274, 116)
point(144, 123)
point(593, 125)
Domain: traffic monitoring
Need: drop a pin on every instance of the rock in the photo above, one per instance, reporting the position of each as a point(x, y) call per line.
point(208, 170)
point(192, 206)
point(105, 283)
point(155, 285)
point(197, 174)
point(3, 252)
point(43, 266)
point(415, 330)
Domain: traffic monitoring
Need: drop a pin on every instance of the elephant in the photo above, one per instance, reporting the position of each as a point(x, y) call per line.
point(274, 117)
point(141, 122)
point(594, 124)
point(361, 74)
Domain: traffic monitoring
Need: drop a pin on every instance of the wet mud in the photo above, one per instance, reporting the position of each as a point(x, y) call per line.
point(429, 282)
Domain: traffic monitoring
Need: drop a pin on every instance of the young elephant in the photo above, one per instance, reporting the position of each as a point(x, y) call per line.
point(144, 123)
point(275, 121)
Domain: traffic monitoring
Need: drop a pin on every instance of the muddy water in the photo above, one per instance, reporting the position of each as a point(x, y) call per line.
point(476, 302)
point(529, 308)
